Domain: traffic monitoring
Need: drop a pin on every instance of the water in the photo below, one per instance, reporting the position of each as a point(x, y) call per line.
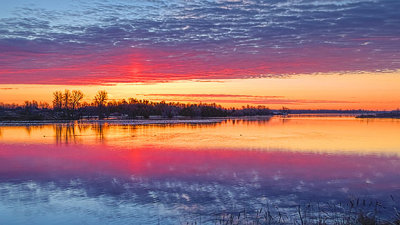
point(122, 173)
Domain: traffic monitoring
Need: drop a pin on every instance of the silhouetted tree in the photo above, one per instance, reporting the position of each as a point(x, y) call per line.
point(285, 111)
point(66, 99)
point(76, 98)
point(57, 99)
point(100, 100)
point(44, 105)
point(67, 105)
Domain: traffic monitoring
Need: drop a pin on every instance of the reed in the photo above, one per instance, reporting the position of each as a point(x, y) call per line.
point(353, 212)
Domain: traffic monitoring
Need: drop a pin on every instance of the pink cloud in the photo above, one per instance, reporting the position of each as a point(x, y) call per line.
point(154, 65)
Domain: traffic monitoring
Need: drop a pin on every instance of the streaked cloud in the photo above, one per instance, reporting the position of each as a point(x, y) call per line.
point(238, 99)
point(213, 95)
point(99, 42)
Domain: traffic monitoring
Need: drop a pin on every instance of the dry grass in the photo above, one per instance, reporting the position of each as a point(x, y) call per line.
point(355, 211)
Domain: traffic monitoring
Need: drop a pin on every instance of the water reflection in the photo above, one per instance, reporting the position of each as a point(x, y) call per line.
point(333, 135)
point(77, 133)
point(124, 174)
point(65, 134)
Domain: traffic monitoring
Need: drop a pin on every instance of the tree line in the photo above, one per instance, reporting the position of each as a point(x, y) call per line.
point(69, 105)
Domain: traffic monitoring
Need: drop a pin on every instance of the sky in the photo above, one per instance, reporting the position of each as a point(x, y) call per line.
point(294, 53)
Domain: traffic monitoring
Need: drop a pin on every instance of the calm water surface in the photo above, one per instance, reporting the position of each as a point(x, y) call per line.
point(170, 174)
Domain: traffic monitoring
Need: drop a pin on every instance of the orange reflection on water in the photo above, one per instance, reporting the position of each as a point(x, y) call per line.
point(306, 134)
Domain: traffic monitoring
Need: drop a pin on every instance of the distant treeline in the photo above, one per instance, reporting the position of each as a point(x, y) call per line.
point(395, 114)
point(68, 105)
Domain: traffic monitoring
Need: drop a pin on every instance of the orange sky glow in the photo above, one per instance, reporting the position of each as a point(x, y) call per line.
point(371, 91)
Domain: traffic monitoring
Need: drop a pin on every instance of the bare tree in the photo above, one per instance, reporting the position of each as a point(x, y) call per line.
point(44, 105)
point(67, 99)
point(101, 98)
point(57, 99)
point(76, 98)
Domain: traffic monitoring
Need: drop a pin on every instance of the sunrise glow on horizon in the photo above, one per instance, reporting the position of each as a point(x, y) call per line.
point(298, 54)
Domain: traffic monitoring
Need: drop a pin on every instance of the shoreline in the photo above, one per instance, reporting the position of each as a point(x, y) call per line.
point(114, 121)
point(177, 120)
point(132, 121)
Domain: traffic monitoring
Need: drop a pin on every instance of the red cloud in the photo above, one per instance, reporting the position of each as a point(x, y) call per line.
point(151, 65)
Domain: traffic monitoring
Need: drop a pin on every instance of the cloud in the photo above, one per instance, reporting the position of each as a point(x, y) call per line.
point(256, 101)
point(7, 89)
point(214, 95)
point(235, 99)
point(102, 42)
